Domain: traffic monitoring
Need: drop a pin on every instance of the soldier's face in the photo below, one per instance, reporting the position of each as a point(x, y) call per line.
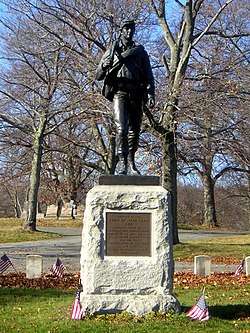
point(128, 32)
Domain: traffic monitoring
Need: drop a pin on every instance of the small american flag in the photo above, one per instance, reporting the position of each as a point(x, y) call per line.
point(77, 312)
point(199, 311)
point(239, 269)
point(5, 263)
point(58, 268)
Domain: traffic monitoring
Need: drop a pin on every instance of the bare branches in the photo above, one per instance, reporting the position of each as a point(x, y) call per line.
point(204, 32)
point(160, 12)
point(224, 35)
point(15, 124)
point(179, 3)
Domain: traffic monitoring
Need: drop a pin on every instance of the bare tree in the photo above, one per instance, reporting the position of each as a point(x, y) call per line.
point(31, 99)
point(204, 148)
point(192, 24)
point(13, 190)
point(213, 118)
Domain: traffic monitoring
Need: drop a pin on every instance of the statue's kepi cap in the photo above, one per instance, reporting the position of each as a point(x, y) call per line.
point(128, 23)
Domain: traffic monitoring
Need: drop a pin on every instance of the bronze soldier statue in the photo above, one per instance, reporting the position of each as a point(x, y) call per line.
point(129, 83)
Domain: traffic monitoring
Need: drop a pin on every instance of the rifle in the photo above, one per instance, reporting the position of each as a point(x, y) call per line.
point(108, 85)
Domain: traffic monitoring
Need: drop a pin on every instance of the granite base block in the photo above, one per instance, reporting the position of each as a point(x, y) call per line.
point(137, 282)
point(134, 304)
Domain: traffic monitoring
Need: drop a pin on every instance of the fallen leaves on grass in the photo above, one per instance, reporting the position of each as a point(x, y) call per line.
point(189, 279)
point(70, 281)
point(215, 260)
point(19, 280)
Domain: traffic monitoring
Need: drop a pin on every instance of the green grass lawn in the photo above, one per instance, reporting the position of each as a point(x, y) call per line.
point(222, 249)
point(43, 311)
point(12, 231)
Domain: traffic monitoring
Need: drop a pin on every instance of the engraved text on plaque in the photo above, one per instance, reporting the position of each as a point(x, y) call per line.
point(128, 234)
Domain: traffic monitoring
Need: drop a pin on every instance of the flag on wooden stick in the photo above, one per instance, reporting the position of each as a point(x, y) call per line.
point(239, 269)
point(5, 263)
point(77, 311)
point(199, 311)
point(58, 268)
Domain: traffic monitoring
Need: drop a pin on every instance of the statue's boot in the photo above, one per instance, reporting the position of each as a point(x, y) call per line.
point(123, 168)
point(132, 166)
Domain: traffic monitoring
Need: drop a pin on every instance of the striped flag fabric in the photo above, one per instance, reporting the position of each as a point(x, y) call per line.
point(5, 263)
point(77, 312)
point(199, 311)
point(239, 269)
point(58, 268)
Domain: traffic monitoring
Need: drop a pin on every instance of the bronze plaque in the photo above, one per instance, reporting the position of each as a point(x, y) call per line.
point(128, 234)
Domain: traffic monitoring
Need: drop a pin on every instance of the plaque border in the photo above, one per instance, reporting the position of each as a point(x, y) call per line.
point(130, 212)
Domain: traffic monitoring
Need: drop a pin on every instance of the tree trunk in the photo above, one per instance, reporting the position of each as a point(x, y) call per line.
point(248, 177)
point(30, 223)
point(209, 202)
point(169, 179)
point(18, 209)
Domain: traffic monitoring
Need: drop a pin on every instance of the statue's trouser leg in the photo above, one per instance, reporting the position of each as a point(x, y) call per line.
point(134, 131)
point(128, 116)
point(121, 118)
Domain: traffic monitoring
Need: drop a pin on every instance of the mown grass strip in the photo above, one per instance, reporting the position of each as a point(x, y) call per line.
point(16, 235)
point(12, 231)
point(233, 248)
point(43, 311)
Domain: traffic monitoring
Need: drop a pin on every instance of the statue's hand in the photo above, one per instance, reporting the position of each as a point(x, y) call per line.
point(150, 102)
point(107, 63)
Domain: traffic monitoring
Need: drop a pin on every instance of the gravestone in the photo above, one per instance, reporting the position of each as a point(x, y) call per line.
point(127, 248)
point(202, 265)
point(34, 266)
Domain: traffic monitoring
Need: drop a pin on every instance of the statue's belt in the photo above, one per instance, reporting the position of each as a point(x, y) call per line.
point(128, 86)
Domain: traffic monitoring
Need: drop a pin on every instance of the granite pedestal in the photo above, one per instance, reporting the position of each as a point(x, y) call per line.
point(127, 249)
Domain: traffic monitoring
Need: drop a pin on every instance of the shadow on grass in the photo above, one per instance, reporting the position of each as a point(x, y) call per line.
point(6, 294)
point(228, 312)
